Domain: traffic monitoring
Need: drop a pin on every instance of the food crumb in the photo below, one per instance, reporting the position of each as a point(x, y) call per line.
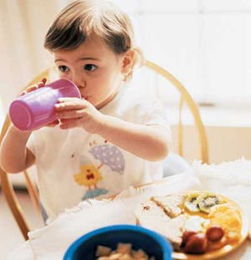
point(122, 252)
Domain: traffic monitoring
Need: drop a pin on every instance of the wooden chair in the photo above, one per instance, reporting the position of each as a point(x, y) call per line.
point(185, 104)
point(184, 98)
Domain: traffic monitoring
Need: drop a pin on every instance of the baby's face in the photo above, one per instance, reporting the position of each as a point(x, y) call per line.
point(94, 68)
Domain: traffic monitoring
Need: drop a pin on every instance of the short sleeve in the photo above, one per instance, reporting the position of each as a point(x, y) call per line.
point(147, 111)
point(42, 138)
point(150, 112)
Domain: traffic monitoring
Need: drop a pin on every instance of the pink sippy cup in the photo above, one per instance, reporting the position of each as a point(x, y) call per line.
point(36, 108)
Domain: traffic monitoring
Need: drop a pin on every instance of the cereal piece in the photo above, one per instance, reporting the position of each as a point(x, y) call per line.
point(116, 256)
point(123, 252)
point(124, 248)
point(126, 257)
point(141, 258)
point(114, 252)
point(139, 254)
point(103, 251)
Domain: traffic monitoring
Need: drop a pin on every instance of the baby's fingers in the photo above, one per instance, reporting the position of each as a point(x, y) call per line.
point(34, 87)
point(71, 114)
point(44, 80)
point(54, 123)
point(68, 99)
point(69, 123)
point(71, 104)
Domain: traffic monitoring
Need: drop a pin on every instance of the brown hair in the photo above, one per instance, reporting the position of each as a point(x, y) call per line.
point(82, 18)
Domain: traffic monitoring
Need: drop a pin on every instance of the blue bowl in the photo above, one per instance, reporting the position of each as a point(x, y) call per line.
point(141, 238)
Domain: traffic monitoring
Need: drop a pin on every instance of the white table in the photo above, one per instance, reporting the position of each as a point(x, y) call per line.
point(232, 179)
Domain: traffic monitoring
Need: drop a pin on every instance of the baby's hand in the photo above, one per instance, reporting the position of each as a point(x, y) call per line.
point(76, 112)
point(40, 84)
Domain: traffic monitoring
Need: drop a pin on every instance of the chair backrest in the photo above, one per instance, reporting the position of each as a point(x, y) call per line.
point(184, 98)
point(187, 107)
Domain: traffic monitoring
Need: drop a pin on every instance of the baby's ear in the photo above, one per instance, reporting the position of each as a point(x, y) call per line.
point(128, 61)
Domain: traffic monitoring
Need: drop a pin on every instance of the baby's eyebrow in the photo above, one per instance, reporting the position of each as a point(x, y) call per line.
point(88, 58)
point(79, 59)
point(59, 60)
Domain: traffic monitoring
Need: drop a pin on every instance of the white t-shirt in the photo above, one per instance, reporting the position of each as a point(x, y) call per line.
point(73, 165)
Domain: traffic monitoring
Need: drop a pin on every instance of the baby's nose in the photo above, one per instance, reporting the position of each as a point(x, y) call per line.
point(78, 80)
point(80, 83)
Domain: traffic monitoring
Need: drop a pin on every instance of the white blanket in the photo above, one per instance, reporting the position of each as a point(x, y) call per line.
point(232, 179)
point(52, 241)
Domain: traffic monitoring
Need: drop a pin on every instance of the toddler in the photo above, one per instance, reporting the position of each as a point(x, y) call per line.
point(105, 141)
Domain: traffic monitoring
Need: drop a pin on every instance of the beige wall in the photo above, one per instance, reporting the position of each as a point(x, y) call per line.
point(23, 25)
point(229, 143)
point(225, 143)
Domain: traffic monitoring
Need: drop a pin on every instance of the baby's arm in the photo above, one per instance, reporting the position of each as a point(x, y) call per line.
point(14, 156)
point(145, 141)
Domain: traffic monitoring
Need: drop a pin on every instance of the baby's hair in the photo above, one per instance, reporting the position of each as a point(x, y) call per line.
point(77, 21)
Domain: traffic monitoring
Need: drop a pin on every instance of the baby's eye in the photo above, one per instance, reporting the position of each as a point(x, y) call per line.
point(90, 67)
point(63, 68)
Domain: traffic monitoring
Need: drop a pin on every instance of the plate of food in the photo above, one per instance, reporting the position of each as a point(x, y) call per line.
point(199, 224)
